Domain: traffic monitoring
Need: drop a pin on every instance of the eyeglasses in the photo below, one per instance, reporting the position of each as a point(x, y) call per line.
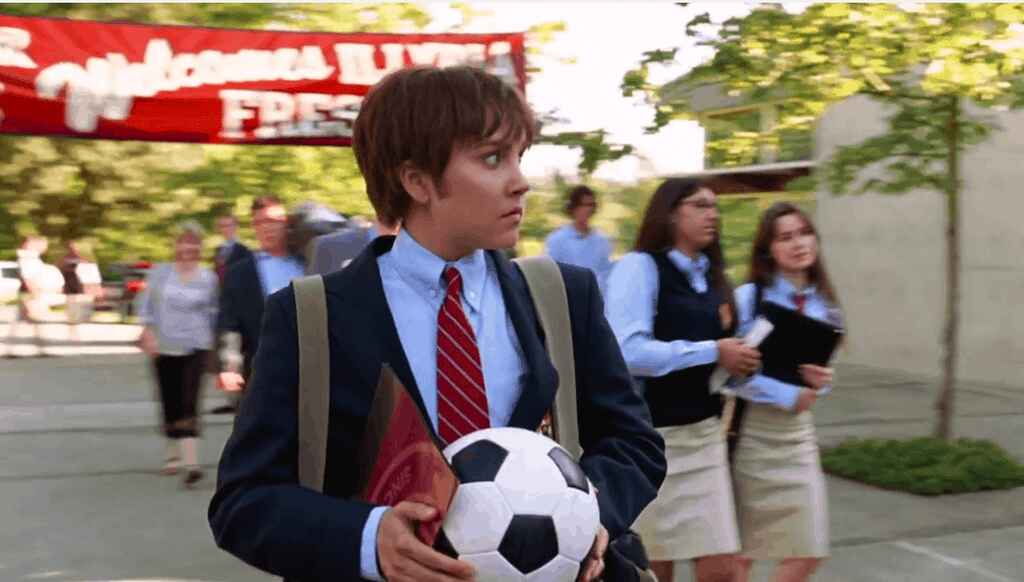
point(702, 205)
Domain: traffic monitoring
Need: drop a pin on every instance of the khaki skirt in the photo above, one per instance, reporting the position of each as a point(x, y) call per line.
point(780, 488)
point(693, 515)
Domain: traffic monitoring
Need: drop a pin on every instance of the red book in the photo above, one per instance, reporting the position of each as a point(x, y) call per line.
point(400, 460)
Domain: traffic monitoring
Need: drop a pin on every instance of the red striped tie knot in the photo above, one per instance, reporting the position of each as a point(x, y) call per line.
point(453, 278)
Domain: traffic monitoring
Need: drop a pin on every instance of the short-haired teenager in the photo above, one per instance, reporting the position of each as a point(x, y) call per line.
point(439, 149)
point(579, 243)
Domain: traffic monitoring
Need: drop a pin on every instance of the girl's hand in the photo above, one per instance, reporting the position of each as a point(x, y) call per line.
point(817, 377)
point(738, 358)
point(806, 400)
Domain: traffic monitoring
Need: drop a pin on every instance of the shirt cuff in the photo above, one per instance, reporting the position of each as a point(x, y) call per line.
point(368, 567)
point(764, 390)
point(788, 395)
point(700, 353)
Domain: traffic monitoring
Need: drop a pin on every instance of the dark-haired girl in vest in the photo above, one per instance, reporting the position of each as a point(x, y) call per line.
point(670, 305)
point(780, 487)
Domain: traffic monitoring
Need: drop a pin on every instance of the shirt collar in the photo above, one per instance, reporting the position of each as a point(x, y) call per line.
point(422, 269)
point(687, 265)
point(265, 256)
point(783, 286)
point(577, 234)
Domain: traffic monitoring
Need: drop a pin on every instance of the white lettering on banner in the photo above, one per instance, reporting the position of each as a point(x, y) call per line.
point(287, 115)
point(357, 66)
point(13, 42)
point(105, 88)
point(495, 58)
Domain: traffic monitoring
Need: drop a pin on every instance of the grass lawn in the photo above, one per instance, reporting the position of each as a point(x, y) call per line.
point(925, 466)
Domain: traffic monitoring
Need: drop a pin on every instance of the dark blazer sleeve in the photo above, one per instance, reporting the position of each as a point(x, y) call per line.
point(260, 513)
point(228, 315)
point(622, 453)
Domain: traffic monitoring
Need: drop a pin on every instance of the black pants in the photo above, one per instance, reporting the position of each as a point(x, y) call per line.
point(179, 378)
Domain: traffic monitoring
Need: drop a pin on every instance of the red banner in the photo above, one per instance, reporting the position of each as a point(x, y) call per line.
point(209, 85)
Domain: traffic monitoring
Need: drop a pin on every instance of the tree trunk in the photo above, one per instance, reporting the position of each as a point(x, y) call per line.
point(944, 404)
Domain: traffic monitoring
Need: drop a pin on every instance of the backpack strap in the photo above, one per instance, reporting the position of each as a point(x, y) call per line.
point(314, 380)
point(626, 557)
point(547, 288)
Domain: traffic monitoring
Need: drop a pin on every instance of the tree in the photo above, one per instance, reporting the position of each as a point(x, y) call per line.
point(924, 62)
point(124, 197)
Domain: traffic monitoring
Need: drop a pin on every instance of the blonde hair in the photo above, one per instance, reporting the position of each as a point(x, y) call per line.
point(188, 228)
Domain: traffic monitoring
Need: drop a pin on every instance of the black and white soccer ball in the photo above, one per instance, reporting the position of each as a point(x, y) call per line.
point(524, 510)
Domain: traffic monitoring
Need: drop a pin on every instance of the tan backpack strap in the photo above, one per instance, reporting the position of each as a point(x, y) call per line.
point(314, 380)
point(551, 302)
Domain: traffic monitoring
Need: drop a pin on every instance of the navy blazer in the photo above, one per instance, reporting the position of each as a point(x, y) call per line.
point(238, 252)
point(261, 514)
point(241, 306)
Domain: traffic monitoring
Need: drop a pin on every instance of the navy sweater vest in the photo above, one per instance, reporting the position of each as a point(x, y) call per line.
point(682, 397)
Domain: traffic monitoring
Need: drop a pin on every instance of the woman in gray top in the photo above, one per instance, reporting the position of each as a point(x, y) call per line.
point(179, 309)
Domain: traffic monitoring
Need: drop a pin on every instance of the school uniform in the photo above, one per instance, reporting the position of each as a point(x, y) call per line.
point(781, 498)
point(591, 250)
point(388, 306)
point(667, 320)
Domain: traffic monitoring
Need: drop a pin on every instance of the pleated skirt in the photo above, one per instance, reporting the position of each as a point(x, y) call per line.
point(694, 514)
point(781, 500)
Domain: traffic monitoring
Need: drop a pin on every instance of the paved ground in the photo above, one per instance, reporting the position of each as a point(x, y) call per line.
point(82, 499)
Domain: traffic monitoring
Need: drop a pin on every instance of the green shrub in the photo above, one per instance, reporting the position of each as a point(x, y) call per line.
point(925, 466)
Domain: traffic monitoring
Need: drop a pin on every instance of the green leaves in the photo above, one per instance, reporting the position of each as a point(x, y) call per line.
point(908, 57)
point(592, 145)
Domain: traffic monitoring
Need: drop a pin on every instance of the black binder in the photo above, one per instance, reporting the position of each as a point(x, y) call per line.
point(796, 339)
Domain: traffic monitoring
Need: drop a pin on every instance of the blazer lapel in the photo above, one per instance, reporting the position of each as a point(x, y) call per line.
point(254, 278)
point(373, 337)
point(541, 380)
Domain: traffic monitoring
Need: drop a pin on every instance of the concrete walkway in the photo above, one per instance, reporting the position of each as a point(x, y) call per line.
point(83, 500)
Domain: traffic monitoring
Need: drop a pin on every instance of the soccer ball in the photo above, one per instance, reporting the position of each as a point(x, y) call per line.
point(523, 512)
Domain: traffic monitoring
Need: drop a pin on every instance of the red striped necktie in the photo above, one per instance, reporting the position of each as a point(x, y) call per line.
point(461, 397)
point(800, 300)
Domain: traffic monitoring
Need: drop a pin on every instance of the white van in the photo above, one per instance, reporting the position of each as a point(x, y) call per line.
point(10, 283)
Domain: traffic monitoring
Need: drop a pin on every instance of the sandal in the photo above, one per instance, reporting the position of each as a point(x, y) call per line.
point(171, 466)
point(192, 477)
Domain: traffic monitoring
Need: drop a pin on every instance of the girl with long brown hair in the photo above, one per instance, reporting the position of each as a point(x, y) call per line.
point(670, 305)
point(780, 487)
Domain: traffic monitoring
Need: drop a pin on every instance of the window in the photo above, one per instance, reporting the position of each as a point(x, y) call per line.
point(733, 138)
point(724, 143)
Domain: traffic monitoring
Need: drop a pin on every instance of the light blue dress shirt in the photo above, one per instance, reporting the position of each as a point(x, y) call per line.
point(415, 290)
point(276, 272)
point(760, 388)
point(592, 250)
point(632, 304)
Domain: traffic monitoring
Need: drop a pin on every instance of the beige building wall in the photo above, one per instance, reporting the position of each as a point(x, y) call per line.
point(886, 254)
